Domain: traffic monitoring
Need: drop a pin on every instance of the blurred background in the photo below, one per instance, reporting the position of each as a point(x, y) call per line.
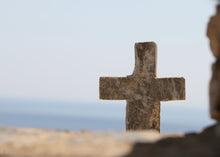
point(53, 52)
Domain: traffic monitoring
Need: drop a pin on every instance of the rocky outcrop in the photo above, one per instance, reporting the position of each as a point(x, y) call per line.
point(205, 144)
point(48, 143)
point(213, 32)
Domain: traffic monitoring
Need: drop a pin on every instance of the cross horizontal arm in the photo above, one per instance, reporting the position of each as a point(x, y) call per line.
point(114, 88)
point(171, 89)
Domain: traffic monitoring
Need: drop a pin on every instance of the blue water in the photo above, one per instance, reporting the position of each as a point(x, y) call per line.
point(100, 115)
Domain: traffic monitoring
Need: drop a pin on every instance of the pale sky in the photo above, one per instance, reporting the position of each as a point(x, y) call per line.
point(58, 49)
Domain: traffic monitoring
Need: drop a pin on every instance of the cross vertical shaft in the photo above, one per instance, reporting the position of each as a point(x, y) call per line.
point(140, 115)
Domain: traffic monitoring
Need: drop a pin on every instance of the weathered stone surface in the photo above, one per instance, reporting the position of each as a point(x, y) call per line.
point(48, 143)
point(142, 90)
point(213, 33)
point(214, 91)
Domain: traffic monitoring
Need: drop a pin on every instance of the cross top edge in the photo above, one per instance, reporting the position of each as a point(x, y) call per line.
point(149, 45)
point(145, 59)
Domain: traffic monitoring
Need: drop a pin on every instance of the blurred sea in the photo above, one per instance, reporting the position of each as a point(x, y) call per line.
point(98, 116)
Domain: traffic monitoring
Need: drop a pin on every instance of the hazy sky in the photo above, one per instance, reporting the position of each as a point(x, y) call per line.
point(58, 49)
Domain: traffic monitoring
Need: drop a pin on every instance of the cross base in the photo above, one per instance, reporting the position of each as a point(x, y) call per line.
point(142, 115)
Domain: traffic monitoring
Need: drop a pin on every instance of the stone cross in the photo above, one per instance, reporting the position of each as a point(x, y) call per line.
point(142, 90)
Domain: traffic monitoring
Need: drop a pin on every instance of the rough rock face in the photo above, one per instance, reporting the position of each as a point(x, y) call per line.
point(213, 33)
point(205, 144)
point(215, 91)
point(48, 143)
point(142, 90)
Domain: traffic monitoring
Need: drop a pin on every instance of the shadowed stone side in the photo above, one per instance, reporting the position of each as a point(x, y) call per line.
point(214, 91)
point(213, 32)
point(142, 90)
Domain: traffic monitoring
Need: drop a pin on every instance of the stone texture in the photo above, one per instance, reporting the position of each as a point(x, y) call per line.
point(205, 144)
point(142, 90)
point(48, 143)
point(214, 91)
point(213, 33)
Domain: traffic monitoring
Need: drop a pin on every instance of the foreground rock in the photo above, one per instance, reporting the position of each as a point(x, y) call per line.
point(213, 32)
point(48, 143)
point(205, 144)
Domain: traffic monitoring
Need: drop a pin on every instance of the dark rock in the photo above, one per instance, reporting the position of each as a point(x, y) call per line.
point(205, 144)
point(214, 91)
point(213, 32)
